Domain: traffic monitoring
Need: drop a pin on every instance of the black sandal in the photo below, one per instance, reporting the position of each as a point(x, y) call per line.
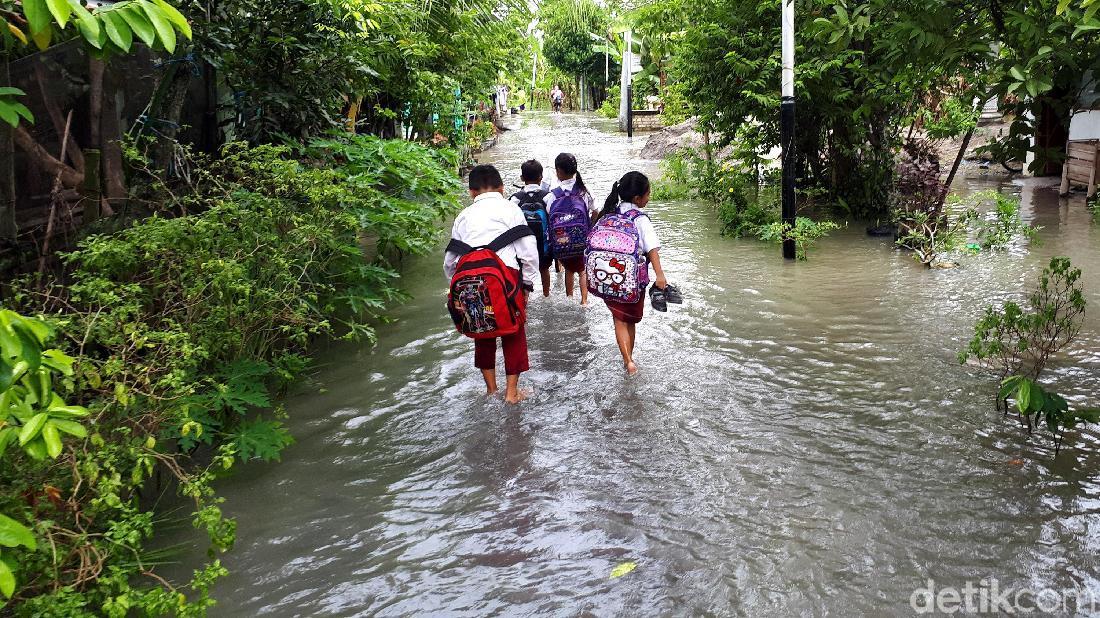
point(657, 299)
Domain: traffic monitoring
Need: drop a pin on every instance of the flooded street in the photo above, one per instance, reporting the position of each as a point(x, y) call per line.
point(801, 439)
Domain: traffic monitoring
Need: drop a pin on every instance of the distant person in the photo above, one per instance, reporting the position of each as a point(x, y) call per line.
point(621, 247)
point(531, 199)
point(557, 97)
point(571, 210)
point(492, 262)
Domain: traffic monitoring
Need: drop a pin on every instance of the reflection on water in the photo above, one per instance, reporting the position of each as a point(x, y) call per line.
point(800, 440)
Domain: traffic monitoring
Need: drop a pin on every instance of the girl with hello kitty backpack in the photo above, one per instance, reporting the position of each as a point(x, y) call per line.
point(621, 247)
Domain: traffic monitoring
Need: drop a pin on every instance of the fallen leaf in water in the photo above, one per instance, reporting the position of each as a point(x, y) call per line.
point(623, 569)
point(1016, 462)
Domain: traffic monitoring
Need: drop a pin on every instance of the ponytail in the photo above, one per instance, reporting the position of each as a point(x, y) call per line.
point(632, 185)
point(611, 204)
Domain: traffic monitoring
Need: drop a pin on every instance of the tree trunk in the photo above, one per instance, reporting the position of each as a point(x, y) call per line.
point(8, 227)
point(110, 123)
point(44, 160)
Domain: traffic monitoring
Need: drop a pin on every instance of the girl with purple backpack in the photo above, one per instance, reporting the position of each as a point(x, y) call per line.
point(571, 210)
point(627, 199)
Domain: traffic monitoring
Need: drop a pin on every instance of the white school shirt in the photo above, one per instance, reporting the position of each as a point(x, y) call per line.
point(567, 185)
point(646, 234)
point(480, 223)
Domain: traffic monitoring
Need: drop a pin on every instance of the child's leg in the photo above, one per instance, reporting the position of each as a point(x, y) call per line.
point(485, 359)
point(545, 272)
point(626, 346)
point(569, 277)
point(633, 330)
point(515, 363)
point(584, 288)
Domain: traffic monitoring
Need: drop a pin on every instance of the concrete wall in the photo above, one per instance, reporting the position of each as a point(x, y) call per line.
point(1085, 125)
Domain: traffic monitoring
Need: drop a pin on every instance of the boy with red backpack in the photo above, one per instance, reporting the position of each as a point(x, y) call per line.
point(571, 211)
point(531, 201)
point(492, 263)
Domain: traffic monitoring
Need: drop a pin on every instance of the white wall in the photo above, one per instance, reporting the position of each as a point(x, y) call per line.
point(1085, 125)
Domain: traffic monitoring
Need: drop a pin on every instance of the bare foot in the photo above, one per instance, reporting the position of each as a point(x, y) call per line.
point(519, 396)
point(631, 368)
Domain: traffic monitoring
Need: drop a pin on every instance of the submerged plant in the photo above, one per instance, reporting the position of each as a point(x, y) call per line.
point(1021, 339)
point(805, 233)
point(1037, 405)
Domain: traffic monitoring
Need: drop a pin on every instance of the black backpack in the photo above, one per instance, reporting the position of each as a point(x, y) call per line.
point(534, 210)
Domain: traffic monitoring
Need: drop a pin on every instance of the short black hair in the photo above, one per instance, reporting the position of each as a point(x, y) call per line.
point(485, 177)
point(530, 171)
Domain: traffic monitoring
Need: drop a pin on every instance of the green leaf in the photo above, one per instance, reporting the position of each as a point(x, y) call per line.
point(36, 449)
point(7, 376)
point(1089, 415)
point(139, 24)
point(60, 10)
point(58, 360)
point(1062, 6)
point(52, 439)
point(1044, 50)
point(15, 534)
point(7, 580)
point(31, 349)
point(88, 25)
point(1009, 386)
point(1017, 73)
point(1023, 395)
point(175, 17)
point(7, 434)
point(117, 30)
point(166, 34)
point(31, 430)
point(6, 91)
point(72, 428)
point(37, 14)
point(623, 569)
point(75, 411)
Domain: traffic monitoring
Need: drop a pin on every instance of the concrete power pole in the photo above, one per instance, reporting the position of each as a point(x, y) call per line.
point(786, 127)
point(624, 82)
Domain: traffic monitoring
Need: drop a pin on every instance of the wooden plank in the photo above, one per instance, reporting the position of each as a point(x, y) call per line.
point(1079, 172)
point(1081, 150)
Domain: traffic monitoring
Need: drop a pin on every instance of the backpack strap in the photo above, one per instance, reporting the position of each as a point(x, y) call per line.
point(558, 192)
point(634, 214)
point(531, 197)
point(510, 237)
point(460, 248)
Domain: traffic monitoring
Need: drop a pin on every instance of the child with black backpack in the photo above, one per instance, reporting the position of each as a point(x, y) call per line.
point(571, 210)
point(531, 200)
point(492, 263)
point(620, 249)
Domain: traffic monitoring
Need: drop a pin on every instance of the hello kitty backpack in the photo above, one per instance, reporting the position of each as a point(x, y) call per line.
point(615, 266)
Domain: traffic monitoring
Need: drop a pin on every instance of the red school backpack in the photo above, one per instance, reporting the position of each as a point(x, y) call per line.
point(484, 296)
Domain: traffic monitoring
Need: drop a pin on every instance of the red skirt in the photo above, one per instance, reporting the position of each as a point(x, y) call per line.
point(631, 313)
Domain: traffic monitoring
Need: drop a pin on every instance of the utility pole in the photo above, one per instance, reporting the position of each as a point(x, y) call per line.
point(624, 83)
point(786, 128)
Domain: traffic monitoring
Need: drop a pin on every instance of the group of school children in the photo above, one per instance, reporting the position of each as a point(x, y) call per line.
point(501, 246)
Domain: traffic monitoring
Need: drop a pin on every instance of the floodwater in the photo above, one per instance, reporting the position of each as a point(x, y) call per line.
point(800, 441)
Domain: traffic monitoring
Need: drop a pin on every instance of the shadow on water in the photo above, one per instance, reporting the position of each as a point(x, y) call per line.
point(801, 440)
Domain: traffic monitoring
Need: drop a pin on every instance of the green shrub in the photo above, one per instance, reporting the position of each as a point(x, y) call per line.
point(182, 329)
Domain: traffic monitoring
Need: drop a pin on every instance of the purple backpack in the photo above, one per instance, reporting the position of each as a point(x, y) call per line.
point(569, 224)
point(614, 264)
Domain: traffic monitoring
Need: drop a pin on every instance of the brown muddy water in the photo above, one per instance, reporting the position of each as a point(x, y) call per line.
point(801, 440)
